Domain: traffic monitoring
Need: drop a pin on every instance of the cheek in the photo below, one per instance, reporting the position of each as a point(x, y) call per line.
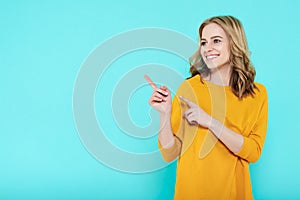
point(201, 53)
point(227, 55)
point(225, 52)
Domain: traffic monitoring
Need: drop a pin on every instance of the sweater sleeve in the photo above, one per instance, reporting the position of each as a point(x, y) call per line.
point(253, 143)
point(171, 153)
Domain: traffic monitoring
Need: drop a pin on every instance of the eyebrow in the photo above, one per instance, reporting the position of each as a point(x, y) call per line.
point(213, 37)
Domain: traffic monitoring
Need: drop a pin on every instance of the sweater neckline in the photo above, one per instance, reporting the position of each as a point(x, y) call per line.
point(226, 87)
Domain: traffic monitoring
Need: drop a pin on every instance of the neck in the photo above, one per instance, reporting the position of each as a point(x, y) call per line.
point(220, 75)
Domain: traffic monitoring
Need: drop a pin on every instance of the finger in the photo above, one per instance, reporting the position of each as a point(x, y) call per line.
point(164, 88)
point(192, 120)
point(187, 113)
point(159, 95)
point(193, 123)
point(157, 99)
point(187, 101)
point(153, 101)
point(192, 117)
point(163, 92)
point(151, 83)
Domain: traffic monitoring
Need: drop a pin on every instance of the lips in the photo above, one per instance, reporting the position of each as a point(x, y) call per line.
point(211, 56)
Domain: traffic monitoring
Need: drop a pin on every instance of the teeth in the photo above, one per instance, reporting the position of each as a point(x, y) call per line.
point(211, 57)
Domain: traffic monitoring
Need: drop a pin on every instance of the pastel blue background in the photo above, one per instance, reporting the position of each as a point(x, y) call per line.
point(44, 43)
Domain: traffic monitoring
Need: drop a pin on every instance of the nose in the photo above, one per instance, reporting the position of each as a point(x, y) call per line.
point(208, 47)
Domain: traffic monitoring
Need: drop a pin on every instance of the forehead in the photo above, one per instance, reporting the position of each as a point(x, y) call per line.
point(211, 30)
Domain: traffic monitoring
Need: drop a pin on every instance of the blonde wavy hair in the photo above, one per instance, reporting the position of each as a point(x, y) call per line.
point(243, 72)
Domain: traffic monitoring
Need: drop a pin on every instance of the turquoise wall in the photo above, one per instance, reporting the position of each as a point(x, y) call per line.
point(44, 47)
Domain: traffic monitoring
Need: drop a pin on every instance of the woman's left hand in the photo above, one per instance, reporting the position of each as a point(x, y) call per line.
point(196, 115)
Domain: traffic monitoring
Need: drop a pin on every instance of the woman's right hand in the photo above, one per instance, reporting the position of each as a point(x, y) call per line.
point(160, 99)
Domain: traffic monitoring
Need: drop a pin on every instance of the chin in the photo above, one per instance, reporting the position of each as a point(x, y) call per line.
point(212, 66)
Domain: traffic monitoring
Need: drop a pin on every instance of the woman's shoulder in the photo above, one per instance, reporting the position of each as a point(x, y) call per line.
point(260, 85)
point(260, 90)
point(192, 81)
point(190, 84)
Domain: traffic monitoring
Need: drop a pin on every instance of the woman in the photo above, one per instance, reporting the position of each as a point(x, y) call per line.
point(217, 122)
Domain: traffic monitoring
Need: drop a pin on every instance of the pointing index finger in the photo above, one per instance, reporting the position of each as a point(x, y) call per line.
point(187, 101)
point(151, 83)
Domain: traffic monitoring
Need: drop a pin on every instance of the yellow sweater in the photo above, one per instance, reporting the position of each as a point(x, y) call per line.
point(206, 168)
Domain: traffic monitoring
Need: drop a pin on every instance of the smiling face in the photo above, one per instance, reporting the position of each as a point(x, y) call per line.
point(215, 49)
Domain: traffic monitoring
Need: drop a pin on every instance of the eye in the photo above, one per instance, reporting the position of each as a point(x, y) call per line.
point(217, 41)
point(203, 43)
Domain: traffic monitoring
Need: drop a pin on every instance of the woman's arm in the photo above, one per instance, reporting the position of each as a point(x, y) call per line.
point(165, 136)
point(169, 144)
point(161, 101)
point(197, 116)
point(232, 140)
point(247, 147)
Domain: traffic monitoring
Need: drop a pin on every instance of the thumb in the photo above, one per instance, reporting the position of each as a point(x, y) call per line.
point(165, 88)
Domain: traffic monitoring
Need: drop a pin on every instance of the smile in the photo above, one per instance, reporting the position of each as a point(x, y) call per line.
point(210, 57)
